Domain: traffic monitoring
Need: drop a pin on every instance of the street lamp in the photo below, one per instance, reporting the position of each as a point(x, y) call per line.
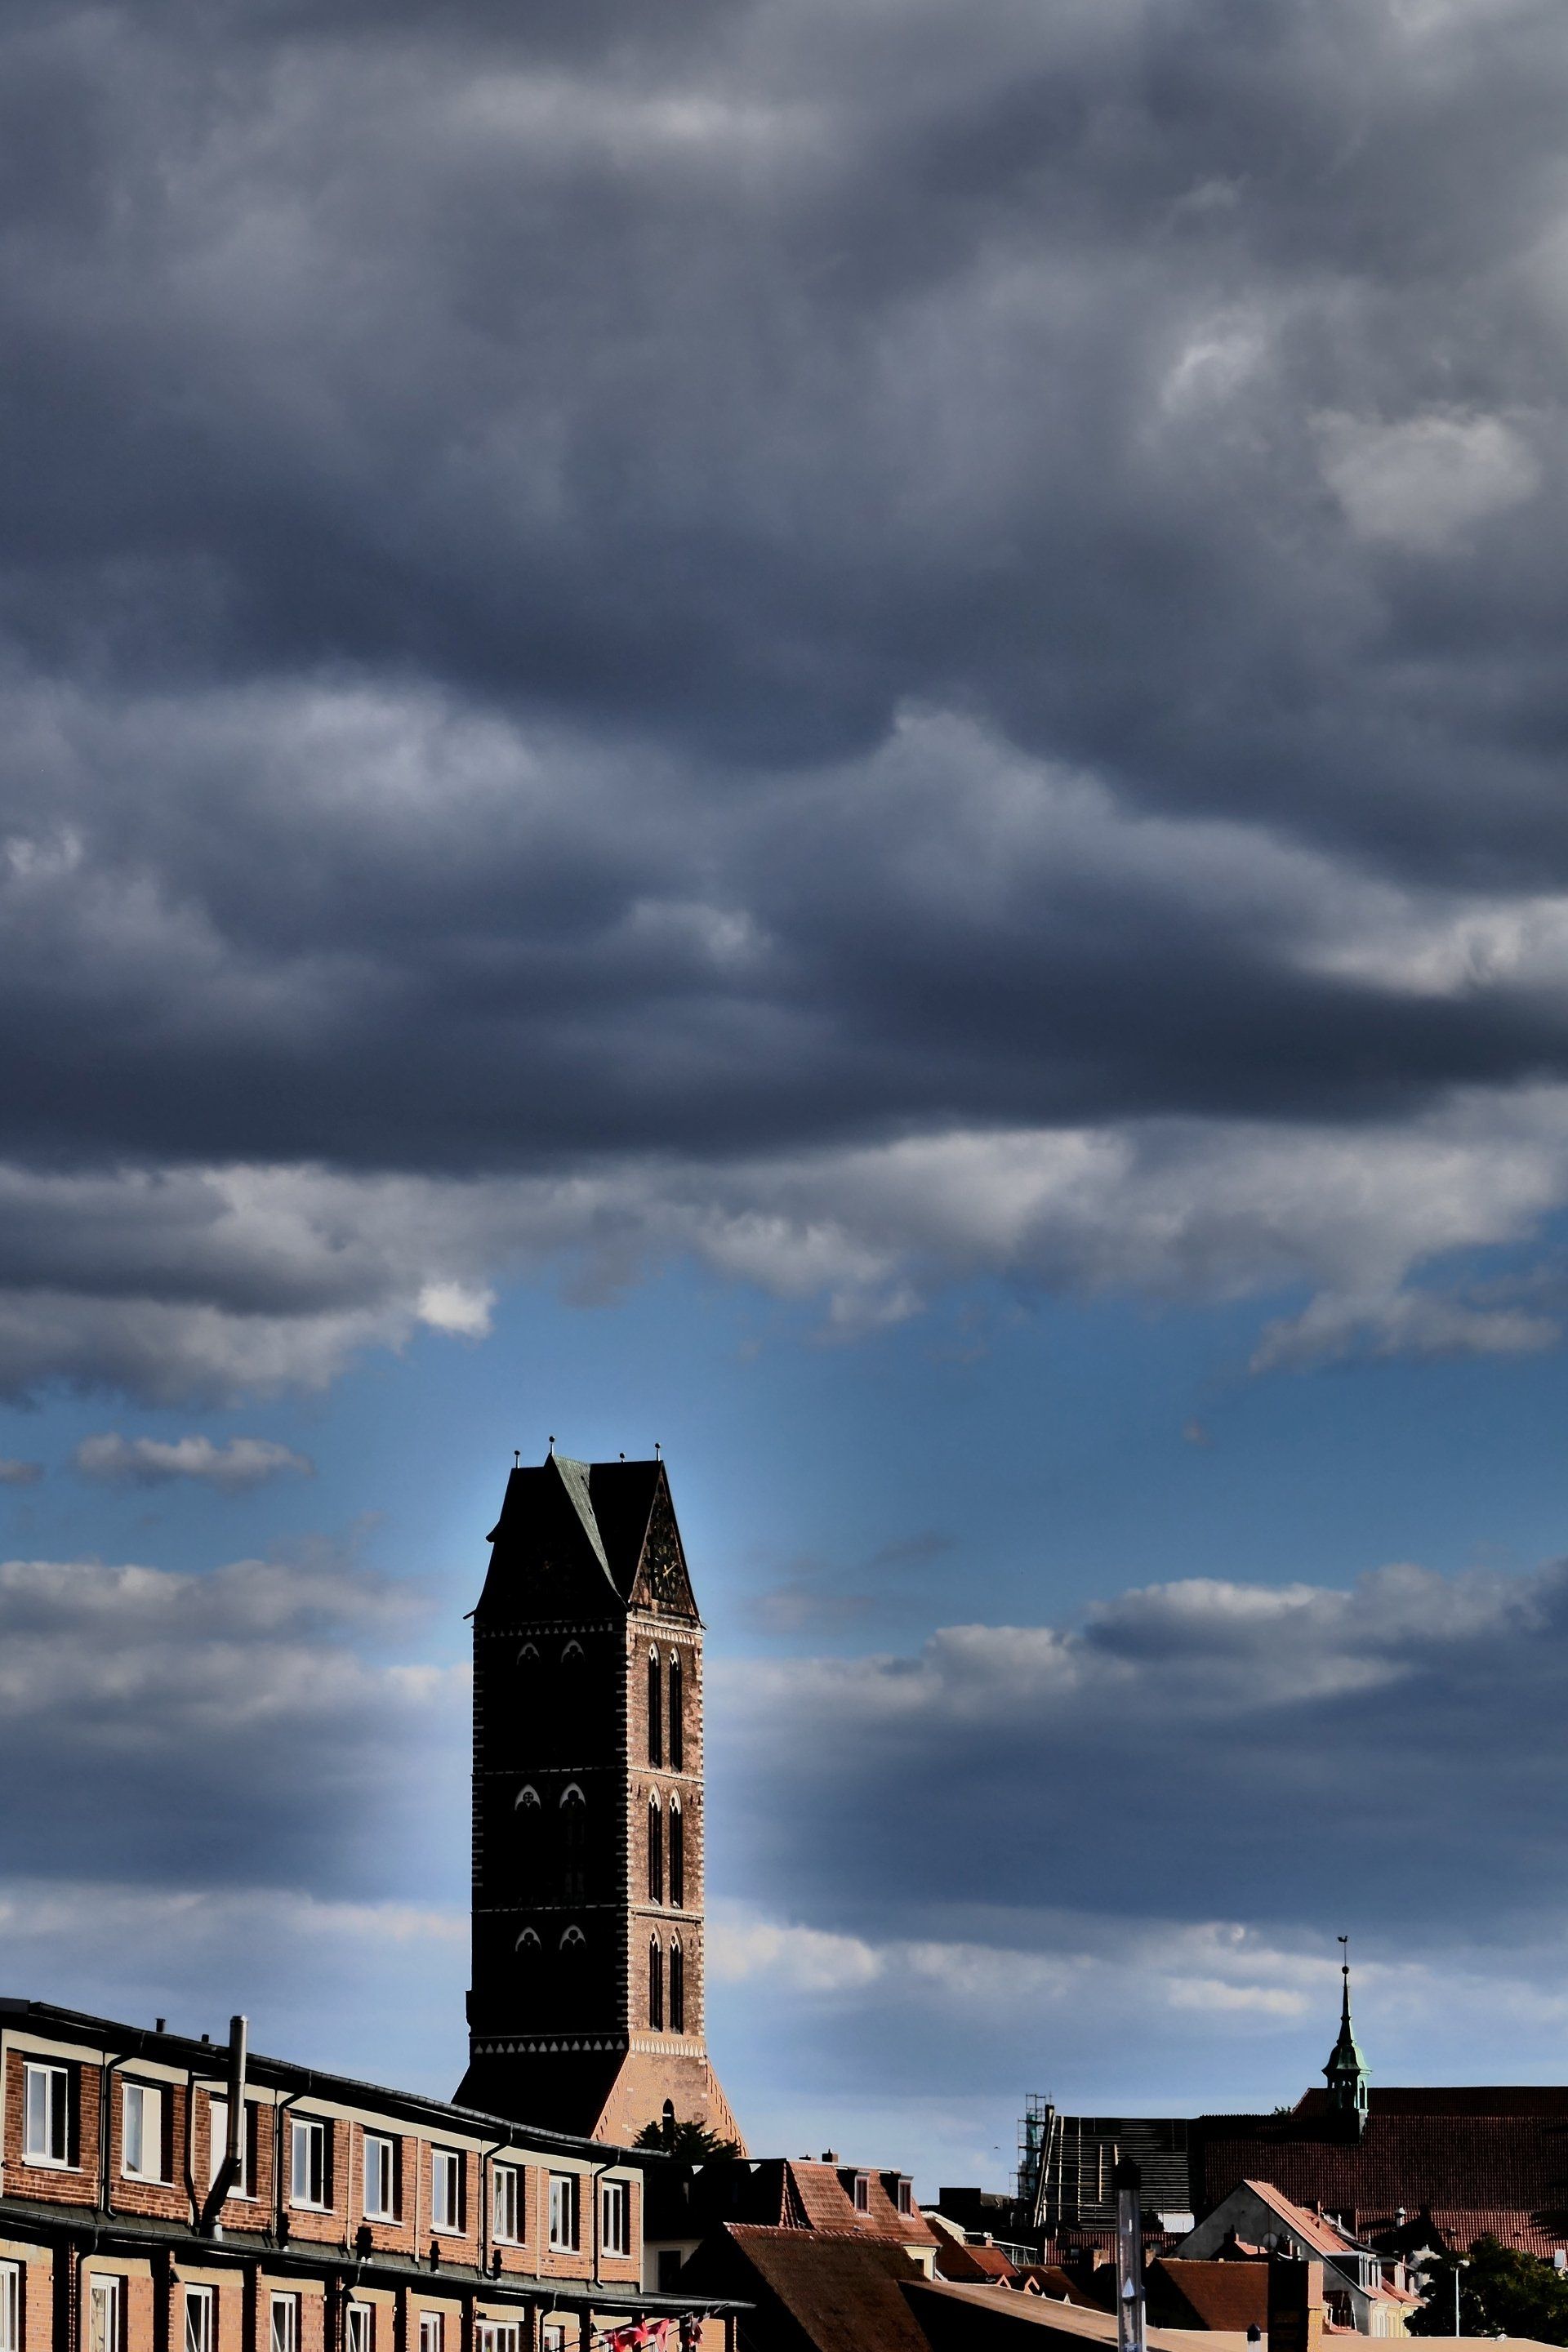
point(1459, 2264)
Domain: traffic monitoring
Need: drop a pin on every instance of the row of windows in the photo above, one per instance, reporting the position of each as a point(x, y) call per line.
point(107, 2313)
point(46, 2140)
point(573, 1810)
point(657, 1721)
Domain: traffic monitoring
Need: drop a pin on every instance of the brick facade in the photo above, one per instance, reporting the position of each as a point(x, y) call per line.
point(66, 2223)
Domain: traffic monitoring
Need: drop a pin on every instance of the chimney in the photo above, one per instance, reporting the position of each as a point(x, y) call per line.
point(1295, 2304)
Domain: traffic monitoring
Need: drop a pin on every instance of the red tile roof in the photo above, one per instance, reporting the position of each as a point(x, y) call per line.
point(843, 2292)
point(1311, 2228)
point(1231, 2295)
point(956, 2261)
point(1463, 2158)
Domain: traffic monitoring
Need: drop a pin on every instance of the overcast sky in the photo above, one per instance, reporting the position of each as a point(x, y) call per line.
point(833, 732)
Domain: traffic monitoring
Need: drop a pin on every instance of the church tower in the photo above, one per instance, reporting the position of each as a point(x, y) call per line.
point(1347, 2072)
point(586, 2009)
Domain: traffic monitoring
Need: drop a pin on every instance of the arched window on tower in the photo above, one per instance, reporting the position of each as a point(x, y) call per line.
point(677, 1990)
point(527, 1946)
point(676, 1719)
point(528, 1655)
point(656, 1985)
point(574, 1842)
point(528, 1813)
point(655, 1711)
point(572, 1941)
point(676, 1856)
point(655, 1852)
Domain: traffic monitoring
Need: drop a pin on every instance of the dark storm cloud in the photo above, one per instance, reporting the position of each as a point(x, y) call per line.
point(629, 601)
point(1230, 1745)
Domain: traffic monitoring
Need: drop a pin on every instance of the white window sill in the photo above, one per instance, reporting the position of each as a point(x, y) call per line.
point(304, 2205)
point(389, 2219)
point(446, 2230)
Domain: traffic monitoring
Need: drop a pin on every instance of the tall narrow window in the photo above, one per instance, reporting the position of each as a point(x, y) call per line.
point(104, 2317)
point(430, 2331)
point(655, 1852)
point(10, 2307)
point(218, 2145)
point(677, 1856)
point(201, 2330)
point(677, 1716)
point(359, 2334)
point(614, 2204)
point(285, 2331)
point(677, 1990)
point(307, 2176)
point(574, 1844)
point(506, 2204)
point(565, 2210)
point(655, 1711)
point(142, 2133)
point(45, 2135)
point(656, 1985)
point(446, 2190)
point(380, 2178)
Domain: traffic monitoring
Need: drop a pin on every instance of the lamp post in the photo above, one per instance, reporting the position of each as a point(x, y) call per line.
point(1458, 2266)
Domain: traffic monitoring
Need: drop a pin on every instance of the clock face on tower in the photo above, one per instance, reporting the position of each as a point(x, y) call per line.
point(663, 1579)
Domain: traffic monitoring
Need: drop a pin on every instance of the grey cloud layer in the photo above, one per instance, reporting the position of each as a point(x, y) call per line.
point(607, 623)
point(240, 1728)
point(1242, 1739)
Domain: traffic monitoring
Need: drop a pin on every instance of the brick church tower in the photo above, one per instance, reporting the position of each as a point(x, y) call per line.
point(586, 2013)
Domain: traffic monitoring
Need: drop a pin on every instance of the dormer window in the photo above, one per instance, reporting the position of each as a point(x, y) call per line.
point(862, 2192)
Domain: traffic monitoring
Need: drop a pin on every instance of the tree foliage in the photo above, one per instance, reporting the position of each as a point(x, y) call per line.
point(1502, 2292)
point(692, 2141)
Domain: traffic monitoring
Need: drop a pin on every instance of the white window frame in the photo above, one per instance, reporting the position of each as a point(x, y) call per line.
point(105, 2292)
point(905, 2198)
point(447, 2184)
point(498, 2335)
point(201, 2319)
point(565, 2213)
point(217, 2146)
point(432, 2331)
point(359, 2331)
point(308, 2133)
point(553, 2335)
point(615, 2217)
point(10, 2307)
point(862, 2192)
point(141, 2131)
point(46, 2108)
point(285, 2338)
point(379, 2177)
point(506, 2213)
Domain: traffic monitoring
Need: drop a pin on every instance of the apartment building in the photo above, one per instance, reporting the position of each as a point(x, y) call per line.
point(164, 2195)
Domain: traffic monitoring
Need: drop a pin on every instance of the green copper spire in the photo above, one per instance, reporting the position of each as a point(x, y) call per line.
point(1347, 2072)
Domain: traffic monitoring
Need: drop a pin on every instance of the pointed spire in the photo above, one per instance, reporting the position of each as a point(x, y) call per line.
point(1347, 2072)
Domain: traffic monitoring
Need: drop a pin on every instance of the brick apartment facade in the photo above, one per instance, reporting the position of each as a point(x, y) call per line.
point(363, 2220)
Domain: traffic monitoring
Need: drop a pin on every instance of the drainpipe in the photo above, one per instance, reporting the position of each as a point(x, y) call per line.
point(229, 2171)
point(487, 2158)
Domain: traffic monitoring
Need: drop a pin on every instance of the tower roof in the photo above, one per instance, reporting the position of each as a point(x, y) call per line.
point(600, 1537)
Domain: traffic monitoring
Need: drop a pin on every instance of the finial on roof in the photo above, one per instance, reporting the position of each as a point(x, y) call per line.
point(517, 1457)
point(553, 1445)
point(657, 1451)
